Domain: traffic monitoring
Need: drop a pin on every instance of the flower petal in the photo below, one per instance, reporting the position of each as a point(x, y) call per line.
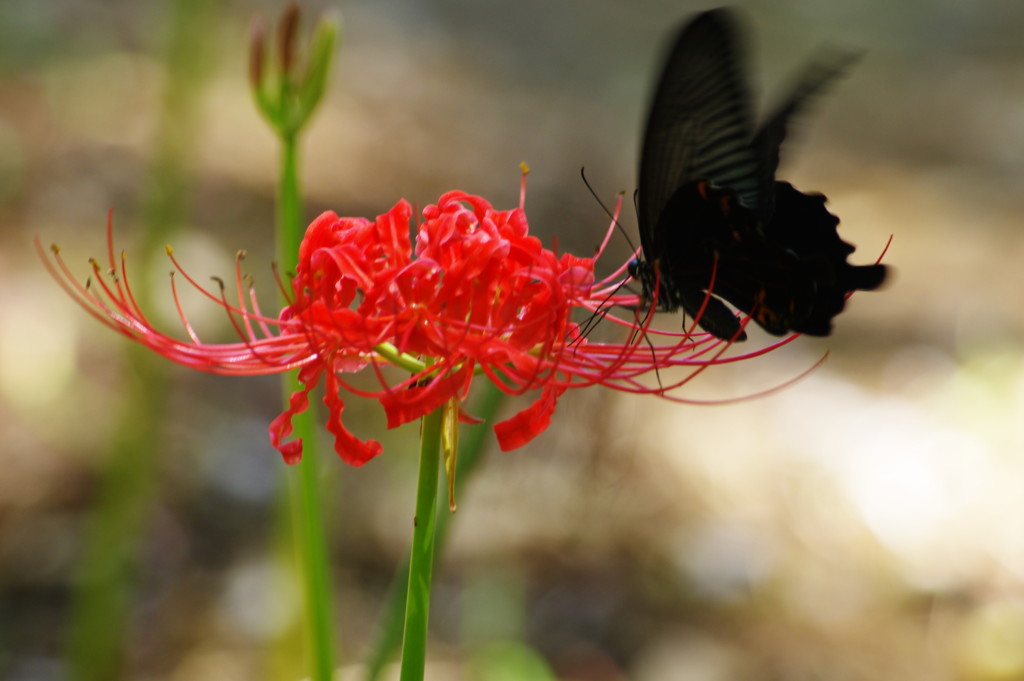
point(352, 450)
point(298, 402)
point(403, 406)
point(529, 423)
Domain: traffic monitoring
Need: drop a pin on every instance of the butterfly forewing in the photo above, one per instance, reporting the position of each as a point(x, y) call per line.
point(766, 144)
point(699, 125)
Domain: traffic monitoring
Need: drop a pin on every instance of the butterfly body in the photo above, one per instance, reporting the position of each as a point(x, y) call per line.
point(715, 225)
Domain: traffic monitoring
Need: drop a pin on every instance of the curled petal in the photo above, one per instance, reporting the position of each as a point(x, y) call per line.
point(466, 417)
point(403, 406)
point(298, 402)
point(529, 423)
point(351, 449)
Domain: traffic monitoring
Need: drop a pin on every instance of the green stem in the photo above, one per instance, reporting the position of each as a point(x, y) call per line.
point(303, 482)
point(98, 632)
point(471, 449)
point(311, 544)
point(421, 559)
point(289, 209)
point(108, 572)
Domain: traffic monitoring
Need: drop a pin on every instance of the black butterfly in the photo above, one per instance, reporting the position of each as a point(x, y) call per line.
point(709, 204)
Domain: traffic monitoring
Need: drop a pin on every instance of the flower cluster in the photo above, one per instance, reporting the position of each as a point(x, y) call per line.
point(472, 295)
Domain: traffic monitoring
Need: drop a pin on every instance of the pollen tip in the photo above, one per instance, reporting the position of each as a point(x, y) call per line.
point(170, 249)
point(220, 282)
point(240, 254)
point(523, 168)
point(55, 249)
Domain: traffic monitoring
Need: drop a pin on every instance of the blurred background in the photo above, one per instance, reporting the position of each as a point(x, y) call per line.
point(865, 523)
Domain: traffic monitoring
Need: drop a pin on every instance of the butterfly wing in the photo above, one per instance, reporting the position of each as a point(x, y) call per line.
point(768, 140)
point(821, 278)
point(807, 280)
point(699, 126)
point(708, 201)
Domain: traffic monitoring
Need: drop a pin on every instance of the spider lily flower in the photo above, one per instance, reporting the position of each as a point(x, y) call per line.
point(473, 296)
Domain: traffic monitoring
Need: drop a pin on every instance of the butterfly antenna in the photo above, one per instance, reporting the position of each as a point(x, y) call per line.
point(622, 230)
point(640, 323)
point(595, 318)
point(654, 361)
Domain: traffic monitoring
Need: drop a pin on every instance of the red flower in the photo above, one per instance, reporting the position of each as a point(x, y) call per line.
point(474, 295)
